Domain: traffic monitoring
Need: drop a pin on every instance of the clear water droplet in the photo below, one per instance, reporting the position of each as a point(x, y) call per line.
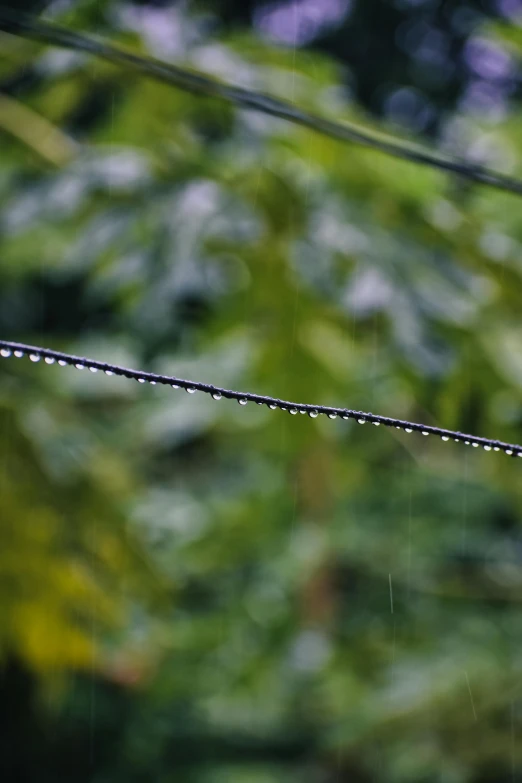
point(292, 411)
point(425, 433)
point(509, 452)
point(445, 437)
point(519, 454)
point(302, 412)
point(216, 396)
point(190, 390)
point(242, 401)
point(109, 372)
point(345, 416)
point(361, 421)
point(175, 386)
point(80, 366)
point(93, 369)
point(408, 429)
point(496, 448)
point(153, 383)
point(141, 380)
point(62, 363)
point(332, 415)
point(376, 423)
point(475, 445)
point(49, 360)
point(272, 407)
point(34, 357)
point(313, 414)
point(5, 352)
point(18, 354)
point(487, 448)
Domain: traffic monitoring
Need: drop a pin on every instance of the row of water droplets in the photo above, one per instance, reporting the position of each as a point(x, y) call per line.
point(216, 395)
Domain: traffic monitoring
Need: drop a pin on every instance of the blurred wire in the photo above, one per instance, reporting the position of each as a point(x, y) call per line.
point(36, 353)
point(200, 84)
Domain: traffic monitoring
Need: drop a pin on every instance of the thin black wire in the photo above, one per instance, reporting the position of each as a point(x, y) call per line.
point(35, 353)
point(31, 27)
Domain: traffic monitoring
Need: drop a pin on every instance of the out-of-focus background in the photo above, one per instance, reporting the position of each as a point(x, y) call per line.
point(191, 590)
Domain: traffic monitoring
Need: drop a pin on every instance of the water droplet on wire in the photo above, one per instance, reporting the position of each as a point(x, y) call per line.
point(34, 357)
point(49, 360)
point(80, 366)
point(242, 401)
point(292, 411)
point(313, 414)
point(62, 363)
point(5, 352)
point(216, 396)
point(190, 390)
point(18, 354)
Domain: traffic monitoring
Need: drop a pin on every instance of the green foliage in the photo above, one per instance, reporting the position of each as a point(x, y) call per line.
point(234, 565)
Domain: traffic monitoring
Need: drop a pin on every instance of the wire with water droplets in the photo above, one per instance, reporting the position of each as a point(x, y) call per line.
point(36, 353)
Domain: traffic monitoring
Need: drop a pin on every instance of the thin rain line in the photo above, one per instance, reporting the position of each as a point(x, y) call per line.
point(193, 81)
point(35, 353)
point(471, 696)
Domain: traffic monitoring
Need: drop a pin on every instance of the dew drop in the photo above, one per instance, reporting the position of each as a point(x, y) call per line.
point(140, 380)
point(425, 433)
point(361, 421)
point(302, 412)
point(332, 415)
point(376, 423)
point(509, 452)
point(109, 372)
point(49, 360)
point(216, 396)
point(34, 357)
point(190, 390)
point(496, 448)
point(345, 417)
point(444, 437)
point(487, 448)
point(175, 386)
point(313, 414)
point(5, 352)
point(153, 383)
point(242, 401)
point(18, 354)
point(80, 366)
point(519, 454)
point(407, 429)
point(62, 363)
point(93, 369)
point(466, 442)
point(475, 445)
point(272, 407)
point(292, 411)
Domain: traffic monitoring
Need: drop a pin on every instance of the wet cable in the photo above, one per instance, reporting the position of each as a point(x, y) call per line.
point(36, 353)
point(197, 83)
